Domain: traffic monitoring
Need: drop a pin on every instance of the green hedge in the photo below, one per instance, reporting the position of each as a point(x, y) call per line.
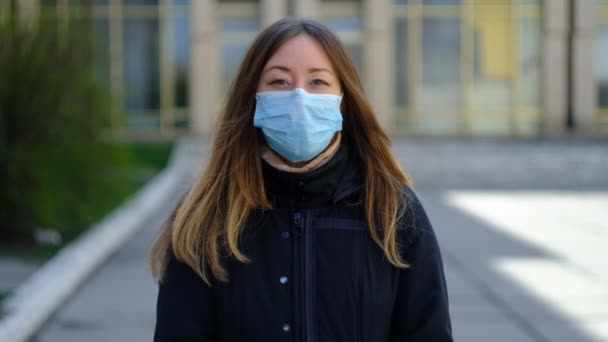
point(55, 172)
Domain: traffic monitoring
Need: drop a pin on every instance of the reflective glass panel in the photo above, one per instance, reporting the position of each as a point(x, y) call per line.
point(141, 70)
point(239, 24)
point(601, 64)
point(94, 2)
point(439, 92)
point(349, 31)
point(237, 34)
point(232, 55)
point(141, 2)
point(74, 2)
point(356, 54)
point(440, 63)
point(441, 2)
point(493, 70)
point(102, 50)
point(493, 57)
point(401, 63)
point(530, 34)
point(344, 23)
point(181, 59)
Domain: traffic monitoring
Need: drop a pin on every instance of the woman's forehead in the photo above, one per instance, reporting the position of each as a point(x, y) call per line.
point(301, 52)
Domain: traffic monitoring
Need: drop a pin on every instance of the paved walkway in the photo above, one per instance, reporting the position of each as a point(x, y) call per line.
point(522, 226)
point(14, 271)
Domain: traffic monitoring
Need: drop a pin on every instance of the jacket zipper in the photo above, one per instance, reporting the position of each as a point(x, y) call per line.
point(302, 224)
point(309, 274)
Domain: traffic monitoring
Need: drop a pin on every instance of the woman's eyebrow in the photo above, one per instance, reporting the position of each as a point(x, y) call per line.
point(311, 70)
point(280, 67)
point(286, 69)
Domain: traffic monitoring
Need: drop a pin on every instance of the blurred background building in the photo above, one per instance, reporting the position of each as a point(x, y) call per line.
point(431, 67)
point(521, 222)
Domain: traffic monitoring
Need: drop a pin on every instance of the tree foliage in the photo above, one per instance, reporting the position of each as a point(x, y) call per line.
point(53, 165)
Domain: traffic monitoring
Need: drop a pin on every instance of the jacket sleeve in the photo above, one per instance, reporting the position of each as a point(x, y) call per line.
point(185, 307)
point(421, 311)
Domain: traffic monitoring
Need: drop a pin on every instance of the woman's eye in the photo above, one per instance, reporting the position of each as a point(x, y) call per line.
point(278, 82)
point(319, 82)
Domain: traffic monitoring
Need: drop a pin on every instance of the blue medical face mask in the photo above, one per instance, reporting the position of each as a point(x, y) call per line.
point(296, 124)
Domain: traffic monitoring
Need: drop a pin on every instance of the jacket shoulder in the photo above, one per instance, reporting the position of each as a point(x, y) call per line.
point(414, 222)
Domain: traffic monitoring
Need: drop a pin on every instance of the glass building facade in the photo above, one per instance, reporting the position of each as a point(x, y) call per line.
point(468, 67)
point(459, 67)
point(143, 56)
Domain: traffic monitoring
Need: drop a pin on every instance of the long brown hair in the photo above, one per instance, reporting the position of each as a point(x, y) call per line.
point(208, 222)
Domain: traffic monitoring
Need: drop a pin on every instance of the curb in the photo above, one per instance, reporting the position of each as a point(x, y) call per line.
point(34, 301)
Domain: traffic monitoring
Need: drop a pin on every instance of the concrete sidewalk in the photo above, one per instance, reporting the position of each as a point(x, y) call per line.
point(522, 226)
point(520, 267)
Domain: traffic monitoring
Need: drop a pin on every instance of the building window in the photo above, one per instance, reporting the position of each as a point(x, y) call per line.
point(141, 72)
point(345, 19)
point(601, 63)
point(467, 67)
point(102, 50)
point(440, 82)
point(180, 62)
point(144, 54)
point(239, 24)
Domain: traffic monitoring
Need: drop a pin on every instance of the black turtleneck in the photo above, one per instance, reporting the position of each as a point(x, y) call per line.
point(309, 189)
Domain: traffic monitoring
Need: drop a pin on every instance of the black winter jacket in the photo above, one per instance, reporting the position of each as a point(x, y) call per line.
point(315, 274)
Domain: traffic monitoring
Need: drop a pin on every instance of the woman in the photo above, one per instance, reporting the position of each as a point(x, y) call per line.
point(302, 227)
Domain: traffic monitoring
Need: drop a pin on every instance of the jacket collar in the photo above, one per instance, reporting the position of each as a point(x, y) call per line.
point(331, 182)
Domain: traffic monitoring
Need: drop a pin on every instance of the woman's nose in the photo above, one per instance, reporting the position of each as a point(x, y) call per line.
point(300, 83)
